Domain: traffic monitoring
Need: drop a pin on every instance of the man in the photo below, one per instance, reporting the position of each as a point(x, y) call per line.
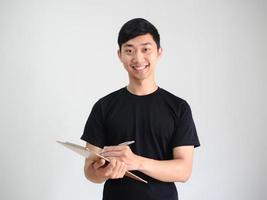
point(159, 122)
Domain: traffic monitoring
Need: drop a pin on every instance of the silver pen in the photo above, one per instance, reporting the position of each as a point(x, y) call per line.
point(126, 143)
point(121, 144)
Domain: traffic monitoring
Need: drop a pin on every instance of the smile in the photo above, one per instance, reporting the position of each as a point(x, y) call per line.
point(139, 68)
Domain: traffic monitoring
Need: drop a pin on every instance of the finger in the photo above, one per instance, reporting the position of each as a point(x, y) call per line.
point(122, 171)
point(101, 162)
point(115, 170)
point(110, 168)
point(114, 148)
point(113, 154)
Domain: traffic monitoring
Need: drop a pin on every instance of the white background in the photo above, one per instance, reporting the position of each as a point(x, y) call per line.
point(58, 57)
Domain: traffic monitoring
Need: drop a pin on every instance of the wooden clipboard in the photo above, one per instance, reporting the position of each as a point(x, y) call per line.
point(88, 153)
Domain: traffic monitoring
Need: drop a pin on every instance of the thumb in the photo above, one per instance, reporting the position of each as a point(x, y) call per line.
point(99, 163)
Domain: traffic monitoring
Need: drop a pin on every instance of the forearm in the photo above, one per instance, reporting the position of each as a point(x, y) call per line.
point(176, 170)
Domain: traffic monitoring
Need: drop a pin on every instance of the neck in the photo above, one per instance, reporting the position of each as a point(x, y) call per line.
point(142, 87)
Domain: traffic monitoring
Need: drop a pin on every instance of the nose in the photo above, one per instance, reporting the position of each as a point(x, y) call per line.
point(138, 57)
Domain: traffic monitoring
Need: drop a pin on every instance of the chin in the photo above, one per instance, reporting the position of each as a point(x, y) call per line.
point(140, 78)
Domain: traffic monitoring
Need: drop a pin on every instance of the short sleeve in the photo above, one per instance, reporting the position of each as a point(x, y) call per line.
point(94, 130)
point(185, 133)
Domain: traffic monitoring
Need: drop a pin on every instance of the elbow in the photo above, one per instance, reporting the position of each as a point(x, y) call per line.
point(184, 177)
point(186, 173)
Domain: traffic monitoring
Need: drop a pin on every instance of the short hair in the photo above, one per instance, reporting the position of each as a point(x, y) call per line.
point(136, 27)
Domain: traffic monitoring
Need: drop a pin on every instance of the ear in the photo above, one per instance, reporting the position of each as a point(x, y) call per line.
point(160, 50)
point(119, 54)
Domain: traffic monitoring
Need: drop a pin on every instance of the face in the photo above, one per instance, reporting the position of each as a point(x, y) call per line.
point(139, 57)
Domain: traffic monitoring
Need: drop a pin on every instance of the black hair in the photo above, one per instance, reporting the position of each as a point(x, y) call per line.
point(136, 27)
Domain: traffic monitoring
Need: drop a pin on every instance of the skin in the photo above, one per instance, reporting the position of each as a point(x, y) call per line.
point(139, 57)
point(136, 53)
point(99, 171)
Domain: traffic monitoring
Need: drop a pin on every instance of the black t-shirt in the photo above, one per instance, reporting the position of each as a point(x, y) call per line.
point(157, 122)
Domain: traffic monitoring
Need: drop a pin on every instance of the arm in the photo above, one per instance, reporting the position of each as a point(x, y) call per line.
point(98, 171)
point(176, 170)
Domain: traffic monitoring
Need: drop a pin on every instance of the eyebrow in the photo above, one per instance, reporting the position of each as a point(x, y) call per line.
point(147, 43)
point(142, 44)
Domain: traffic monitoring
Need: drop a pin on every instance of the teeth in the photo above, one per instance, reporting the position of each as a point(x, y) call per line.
point(139, 68)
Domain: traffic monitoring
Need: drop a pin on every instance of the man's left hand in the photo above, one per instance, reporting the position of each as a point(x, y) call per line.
point(122, 153)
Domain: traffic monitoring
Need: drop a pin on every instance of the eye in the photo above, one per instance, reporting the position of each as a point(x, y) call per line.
point(146, 50)
point(128, 51)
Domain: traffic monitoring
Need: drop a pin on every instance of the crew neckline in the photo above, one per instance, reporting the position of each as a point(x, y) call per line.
point(142, 96)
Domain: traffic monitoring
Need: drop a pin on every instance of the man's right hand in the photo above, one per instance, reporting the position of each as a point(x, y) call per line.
point(113, 170)
point(99, 171)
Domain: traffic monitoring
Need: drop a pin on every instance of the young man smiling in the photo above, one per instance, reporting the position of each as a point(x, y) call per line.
point(159, 122)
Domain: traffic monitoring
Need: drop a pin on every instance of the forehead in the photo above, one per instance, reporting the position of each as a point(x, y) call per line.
point(141, 40)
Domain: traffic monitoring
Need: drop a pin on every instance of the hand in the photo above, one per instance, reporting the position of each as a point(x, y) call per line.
point(113, 170)
point(122, 153)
